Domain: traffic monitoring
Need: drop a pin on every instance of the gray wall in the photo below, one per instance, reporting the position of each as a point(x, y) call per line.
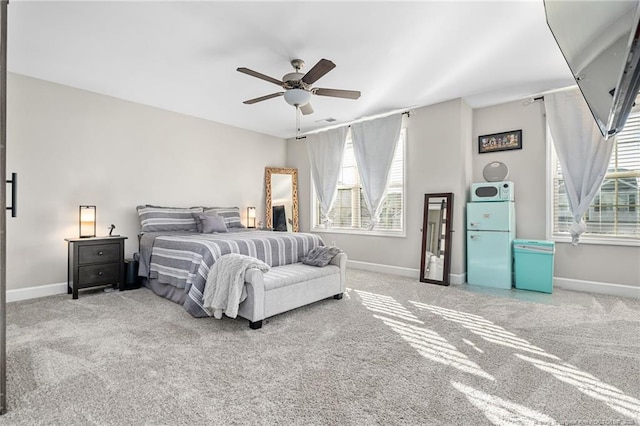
point(527, 166)
point(73, 147)
point(442, 156)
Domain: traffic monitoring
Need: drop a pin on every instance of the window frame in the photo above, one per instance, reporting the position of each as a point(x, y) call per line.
point(376, 232)
point(565, 237)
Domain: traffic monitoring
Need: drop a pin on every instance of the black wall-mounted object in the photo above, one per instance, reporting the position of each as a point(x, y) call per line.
point(600, 40)
point(14, 194)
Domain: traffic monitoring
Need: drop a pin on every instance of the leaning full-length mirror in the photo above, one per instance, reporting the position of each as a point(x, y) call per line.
point(436, 238)
point(281, 187)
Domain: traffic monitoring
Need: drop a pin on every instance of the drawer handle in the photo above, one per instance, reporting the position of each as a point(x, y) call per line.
point(100, 253)
point(100, 273)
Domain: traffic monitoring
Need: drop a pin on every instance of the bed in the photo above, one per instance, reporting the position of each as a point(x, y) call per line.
point(176, 263)
point(179, 247)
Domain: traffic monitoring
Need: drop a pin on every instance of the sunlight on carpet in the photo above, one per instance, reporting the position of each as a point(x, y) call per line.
point(591, 386)
point(485, 329)
point(503, 412)
point(386, 305)
point(435, 347)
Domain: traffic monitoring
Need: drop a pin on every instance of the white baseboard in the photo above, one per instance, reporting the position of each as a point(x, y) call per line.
point(398, 270)
point(458, 278)
point(621, 290)
point(35, 292)
point(385, 269)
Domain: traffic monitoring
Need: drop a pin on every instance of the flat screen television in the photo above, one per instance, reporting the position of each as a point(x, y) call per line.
point(599, 41)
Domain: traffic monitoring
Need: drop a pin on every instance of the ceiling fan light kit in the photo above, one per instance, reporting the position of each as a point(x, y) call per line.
point(297, 97)
point(297, 85)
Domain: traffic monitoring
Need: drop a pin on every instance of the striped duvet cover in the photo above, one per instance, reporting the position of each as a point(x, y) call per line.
point(184, 261)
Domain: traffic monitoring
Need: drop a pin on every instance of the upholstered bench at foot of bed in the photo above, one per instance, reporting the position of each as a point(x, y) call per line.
point(290, 286)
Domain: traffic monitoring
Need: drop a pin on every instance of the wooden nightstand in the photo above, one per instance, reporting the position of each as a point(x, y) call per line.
point(95, 261)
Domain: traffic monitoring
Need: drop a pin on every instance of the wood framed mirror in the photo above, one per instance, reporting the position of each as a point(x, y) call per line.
point(281, 187)
point(435, 261)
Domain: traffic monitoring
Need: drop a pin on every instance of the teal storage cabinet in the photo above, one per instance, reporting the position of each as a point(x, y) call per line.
point(533, 265)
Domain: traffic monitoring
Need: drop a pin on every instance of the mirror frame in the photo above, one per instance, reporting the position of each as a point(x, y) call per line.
point(446, 267)
point(269, 171)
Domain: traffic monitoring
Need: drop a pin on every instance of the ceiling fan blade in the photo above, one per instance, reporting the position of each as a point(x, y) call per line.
point(259, 75)
point(321, 68)
point(336, 93)
point(306, 109)
point(263, 98)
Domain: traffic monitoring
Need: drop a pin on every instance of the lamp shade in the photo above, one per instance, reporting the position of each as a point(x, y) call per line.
point(87, 219)
point(251, 217)
point(297, 97)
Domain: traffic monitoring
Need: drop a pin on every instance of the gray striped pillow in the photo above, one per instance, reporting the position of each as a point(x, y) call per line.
point(231, 216)
point(160, 219)
point(321, 255)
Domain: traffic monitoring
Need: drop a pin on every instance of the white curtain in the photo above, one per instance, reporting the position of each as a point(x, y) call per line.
point(374, 143)
point(325, 151)
point(583, 153)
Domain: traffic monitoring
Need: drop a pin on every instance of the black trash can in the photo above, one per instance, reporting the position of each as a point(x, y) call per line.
point(131, 279)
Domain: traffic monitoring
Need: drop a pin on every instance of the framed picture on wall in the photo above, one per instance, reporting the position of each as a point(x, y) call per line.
point(504, 141)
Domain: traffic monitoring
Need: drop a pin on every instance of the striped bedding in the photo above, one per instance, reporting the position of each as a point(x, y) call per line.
point(184, 261)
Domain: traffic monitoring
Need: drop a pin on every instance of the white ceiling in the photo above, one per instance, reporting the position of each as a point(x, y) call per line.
point(182, 56)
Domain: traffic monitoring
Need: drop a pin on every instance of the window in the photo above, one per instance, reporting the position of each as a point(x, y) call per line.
point(614, 212)
point(350, 212)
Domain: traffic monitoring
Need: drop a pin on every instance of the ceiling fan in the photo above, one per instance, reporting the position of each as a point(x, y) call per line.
point(297, 85)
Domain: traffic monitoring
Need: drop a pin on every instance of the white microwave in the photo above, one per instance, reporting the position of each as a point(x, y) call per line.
point(492, 191)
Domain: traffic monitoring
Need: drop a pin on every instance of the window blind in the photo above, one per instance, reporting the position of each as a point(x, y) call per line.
point(615, 211)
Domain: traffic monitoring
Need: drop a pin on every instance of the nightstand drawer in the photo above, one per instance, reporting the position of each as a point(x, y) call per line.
point(98, 253)
point(107, 273)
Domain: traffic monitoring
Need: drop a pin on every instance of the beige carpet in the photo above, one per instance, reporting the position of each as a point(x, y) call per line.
point(393, 351)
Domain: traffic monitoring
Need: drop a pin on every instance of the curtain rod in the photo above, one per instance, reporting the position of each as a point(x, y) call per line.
point(540, 96)
point(529, 101)
point(407, 113)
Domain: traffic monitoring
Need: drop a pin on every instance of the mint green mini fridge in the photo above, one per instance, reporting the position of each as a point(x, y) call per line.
point(533, 265)
point(491, 229)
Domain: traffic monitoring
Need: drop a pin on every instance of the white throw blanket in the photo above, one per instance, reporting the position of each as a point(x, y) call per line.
point(224, 290)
